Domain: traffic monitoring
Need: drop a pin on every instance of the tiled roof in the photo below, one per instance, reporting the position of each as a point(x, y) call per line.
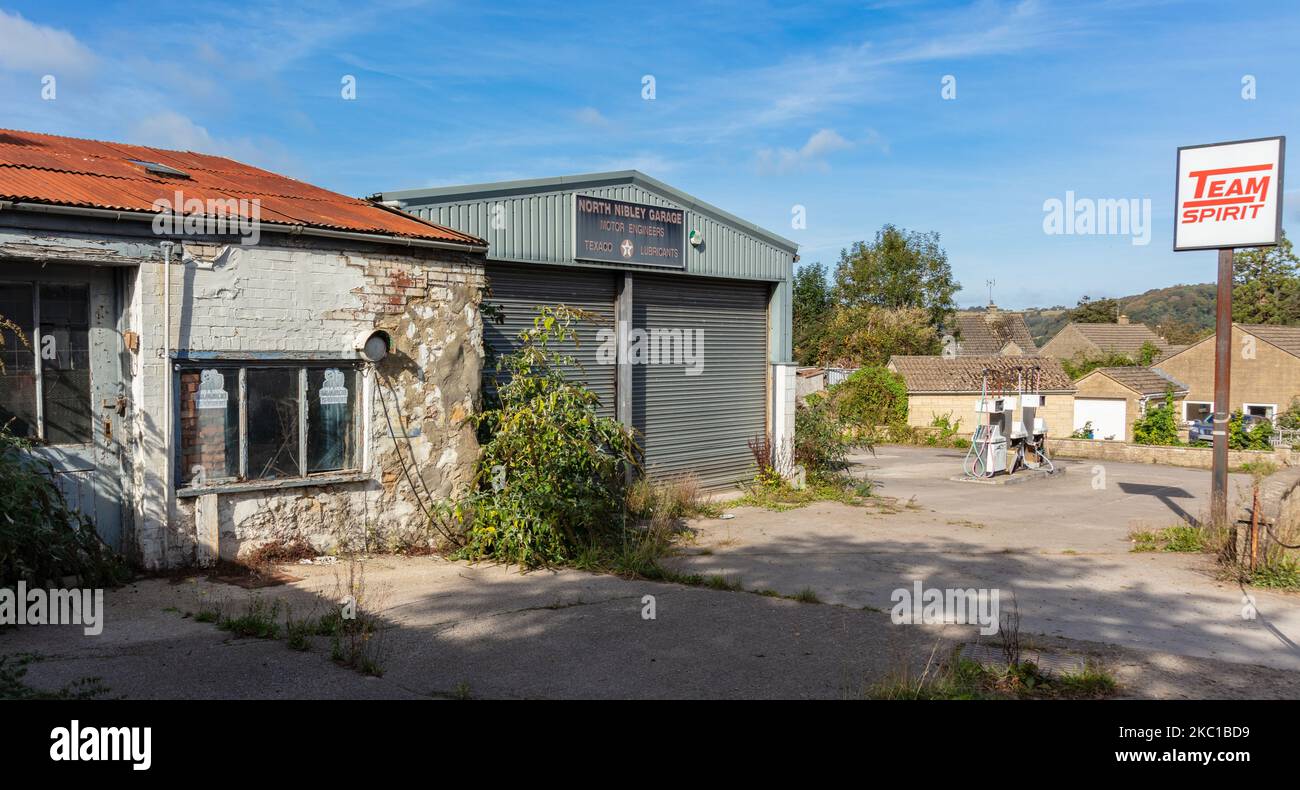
point(1286, 338)
point(988, 333)
point(67, 171)
point(1169, 352)
point(1144, 381)
point(965, 373)
point(1119, 338)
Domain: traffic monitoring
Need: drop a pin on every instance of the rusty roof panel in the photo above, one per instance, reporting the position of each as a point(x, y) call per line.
point(67, 171)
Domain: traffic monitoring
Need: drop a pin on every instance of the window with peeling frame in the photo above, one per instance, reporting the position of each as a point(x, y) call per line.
point(244, 421)
point(45, 356)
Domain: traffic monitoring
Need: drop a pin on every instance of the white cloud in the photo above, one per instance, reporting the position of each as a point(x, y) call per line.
point(168, 129)
point(27, 46)
point(812, 155)
point(592, 117)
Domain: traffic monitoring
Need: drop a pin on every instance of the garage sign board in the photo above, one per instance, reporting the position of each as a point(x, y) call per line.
point(1229, 195)
point(614, 231)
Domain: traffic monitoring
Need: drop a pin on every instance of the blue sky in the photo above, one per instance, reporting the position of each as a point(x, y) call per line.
point(758, 108)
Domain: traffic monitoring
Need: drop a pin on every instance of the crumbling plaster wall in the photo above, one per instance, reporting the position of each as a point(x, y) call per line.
point(285, 297)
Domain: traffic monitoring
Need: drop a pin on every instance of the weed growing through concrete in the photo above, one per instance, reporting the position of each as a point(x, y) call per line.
point(806, 595)
point(779, 496)
point(13, 668)
point(356, 633)
point(260, 619)
point(960, 677)
point(1179, 538)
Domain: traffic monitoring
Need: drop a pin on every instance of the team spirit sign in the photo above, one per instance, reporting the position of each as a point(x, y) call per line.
point(617, 232)
point(1229, 194)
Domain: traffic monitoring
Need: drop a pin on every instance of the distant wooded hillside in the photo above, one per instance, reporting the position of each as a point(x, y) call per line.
point(1179, 312)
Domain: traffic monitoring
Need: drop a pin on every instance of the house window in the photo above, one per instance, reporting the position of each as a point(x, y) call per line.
point(1264, 410)
point(251, 422)
point(1194, 411)
point(45, 384)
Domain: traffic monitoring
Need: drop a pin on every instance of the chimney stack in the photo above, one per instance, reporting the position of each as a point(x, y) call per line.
point(1123, 319)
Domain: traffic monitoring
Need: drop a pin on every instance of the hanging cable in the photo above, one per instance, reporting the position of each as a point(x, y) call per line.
point(428, 509)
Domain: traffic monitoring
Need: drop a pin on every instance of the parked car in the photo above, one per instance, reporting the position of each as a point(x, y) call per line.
point(1201, 431)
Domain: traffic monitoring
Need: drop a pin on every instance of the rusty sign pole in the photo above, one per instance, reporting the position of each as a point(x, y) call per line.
point(1222, 377)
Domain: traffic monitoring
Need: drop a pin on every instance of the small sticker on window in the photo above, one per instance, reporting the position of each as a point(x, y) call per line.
point(333, 391)
point(212, 391)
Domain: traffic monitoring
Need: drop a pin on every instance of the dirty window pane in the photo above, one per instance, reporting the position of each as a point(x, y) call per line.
point(209, 416)
point(331, 404)
point(17, 362)
point(64, 346)
point(273, 423)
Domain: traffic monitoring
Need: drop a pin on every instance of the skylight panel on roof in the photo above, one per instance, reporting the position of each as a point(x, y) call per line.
point(159, 169)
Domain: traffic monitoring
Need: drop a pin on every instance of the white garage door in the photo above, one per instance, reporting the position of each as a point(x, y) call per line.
point(1106, 416)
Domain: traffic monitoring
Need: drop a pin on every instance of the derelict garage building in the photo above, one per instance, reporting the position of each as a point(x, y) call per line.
point(695, 305)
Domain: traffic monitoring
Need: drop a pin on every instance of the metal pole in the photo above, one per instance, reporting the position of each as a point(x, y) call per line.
point(1222, 377)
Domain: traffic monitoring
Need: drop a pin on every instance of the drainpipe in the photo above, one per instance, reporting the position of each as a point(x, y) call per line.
point(169, 473)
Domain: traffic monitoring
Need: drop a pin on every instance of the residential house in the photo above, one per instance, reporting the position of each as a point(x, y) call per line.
point(215, 356)
point(1265, 371)
point(948, 387)
point(1109, 400)
point(992, 331)
point(1078, 341)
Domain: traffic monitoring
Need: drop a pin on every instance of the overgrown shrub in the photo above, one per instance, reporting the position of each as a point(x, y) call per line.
point(945, 430)
point(42, 539)
point(1290, 418)
point(551, 476)
point(1158, 425)
point(872, 397)
point(821, 442)
point(1257, 437)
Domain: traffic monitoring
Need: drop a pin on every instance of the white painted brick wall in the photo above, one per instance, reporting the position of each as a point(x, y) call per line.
point(250, 300)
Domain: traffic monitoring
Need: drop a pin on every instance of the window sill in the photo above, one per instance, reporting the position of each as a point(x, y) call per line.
point(323, 479)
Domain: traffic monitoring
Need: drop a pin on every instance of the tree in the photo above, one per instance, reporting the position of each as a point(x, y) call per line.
point(812, 304)
point(1100, 311)
point(1183, 333)
point(866, 334)
point(1266, 285)
point(900, 269)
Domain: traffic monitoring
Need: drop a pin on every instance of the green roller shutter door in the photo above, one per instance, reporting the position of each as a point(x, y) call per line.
point(702, 424)
point(520, 290)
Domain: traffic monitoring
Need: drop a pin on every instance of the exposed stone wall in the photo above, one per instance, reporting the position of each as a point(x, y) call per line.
point(1194, 457)
point(285, 297)
point(1057, 411)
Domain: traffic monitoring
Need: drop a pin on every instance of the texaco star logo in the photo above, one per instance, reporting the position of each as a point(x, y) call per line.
point(626, 248)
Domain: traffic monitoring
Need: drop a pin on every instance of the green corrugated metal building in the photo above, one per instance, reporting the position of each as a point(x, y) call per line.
point(708, 299)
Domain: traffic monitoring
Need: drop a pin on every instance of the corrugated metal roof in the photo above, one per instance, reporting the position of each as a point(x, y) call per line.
point(67, 171)
point(965, 373)
point(584, 182)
